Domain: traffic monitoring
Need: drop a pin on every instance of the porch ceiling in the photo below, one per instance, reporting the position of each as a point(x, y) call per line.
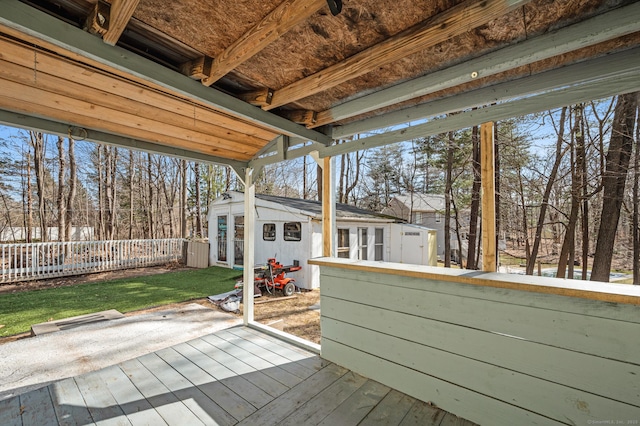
point(227, 82)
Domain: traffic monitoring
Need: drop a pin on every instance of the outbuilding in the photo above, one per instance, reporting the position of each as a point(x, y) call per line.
point(290, 230)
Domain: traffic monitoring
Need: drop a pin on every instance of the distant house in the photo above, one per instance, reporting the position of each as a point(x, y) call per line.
point(14, 234)
point(290, 229)
point(423, 209)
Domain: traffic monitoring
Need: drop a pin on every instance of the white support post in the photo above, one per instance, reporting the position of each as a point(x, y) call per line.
point(249, 242)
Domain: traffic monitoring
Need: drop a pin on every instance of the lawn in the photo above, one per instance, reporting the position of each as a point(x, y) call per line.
point(18, 311)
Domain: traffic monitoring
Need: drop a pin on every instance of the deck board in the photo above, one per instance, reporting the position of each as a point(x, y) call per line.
point(10, 411)
point(37, 408)
point(252, 392)
point(168, 405)
point(68, 403)
point(279, 409)
point(316, 409)
point(101, 404)
point(423, 414)
point(237, 376)
point(359, 404)
point(133, 404)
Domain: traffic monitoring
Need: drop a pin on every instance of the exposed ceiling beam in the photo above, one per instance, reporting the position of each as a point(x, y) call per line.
point(27, 20)
point(613, 24)
point(291, 152)
point(576, 83)
point(603, 67)
point(284, 17)
point(454, 21)
point(121, 13)
point(62, 129)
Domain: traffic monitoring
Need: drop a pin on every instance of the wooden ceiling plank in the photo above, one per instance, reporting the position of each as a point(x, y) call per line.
point(71, 89)
point(24, 22)
point(454, 21)
point(29, 107)
point(117, 119)
point(24, 121)
point(121, 13)
point(606, 66)
point(613, 24)
point(24, 55)
point(280, 20)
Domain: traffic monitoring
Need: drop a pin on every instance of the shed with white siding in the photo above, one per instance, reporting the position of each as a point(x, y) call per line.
point(290, 230)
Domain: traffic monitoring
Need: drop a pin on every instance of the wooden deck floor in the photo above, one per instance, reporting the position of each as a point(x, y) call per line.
point(236, 376)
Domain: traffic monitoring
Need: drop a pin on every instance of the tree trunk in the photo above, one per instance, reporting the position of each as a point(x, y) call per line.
point(199, 232)
point(101, 209)
point(636, 213)
point(525, 225)
point(567, 253)
point(37, 140)
point(547, 193)
point(475, 199)
point(62, 215)
point(132, 172)
point(447, 204)
point(183, 198)
point(150, 216)
point(497, 182)
point(29, 221)
point(613, 183)
point(584, 178)
point(71, 195)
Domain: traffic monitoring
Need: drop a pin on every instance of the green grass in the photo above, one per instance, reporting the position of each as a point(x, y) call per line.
point(18, 311)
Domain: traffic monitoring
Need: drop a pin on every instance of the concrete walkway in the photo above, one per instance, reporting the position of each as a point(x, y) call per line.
point(34, 362)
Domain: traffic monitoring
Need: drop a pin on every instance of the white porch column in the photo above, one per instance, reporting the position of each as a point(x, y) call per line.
point(328, 207)
point(488, 179)
point(249, 243)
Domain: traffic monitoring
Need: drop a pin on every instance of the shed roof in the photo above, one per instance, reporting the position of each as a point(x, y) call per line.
point(314, 208)
point(253, 82)
point(422, 202)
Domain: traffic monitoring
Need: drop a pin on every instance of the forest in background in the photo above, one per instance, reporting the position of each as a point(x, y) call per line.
point(567, 186)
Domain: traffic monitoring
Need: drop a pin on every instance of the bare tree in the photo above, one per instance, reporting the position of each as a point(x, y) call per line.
point(447, 201)
point(198, 201)
point(37, 142)
point(62, 215)
point(475, 198)
point(567, 253)
point(559, 153)
point(71, 194)
point(613, 182)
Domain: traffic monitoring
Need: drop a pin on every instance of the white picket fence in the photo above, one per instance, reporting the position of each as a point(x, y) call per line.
point(35, 261)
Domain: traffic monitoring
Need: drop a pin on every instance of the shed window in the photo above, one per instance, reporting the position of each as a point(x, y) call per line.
point(292, 231)
point(269, 232)
point(379, 243)
point(343, 243)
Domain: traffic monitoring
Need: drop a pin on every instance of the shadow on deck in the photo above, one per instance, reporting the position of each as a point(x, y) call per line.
point(235, 376)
